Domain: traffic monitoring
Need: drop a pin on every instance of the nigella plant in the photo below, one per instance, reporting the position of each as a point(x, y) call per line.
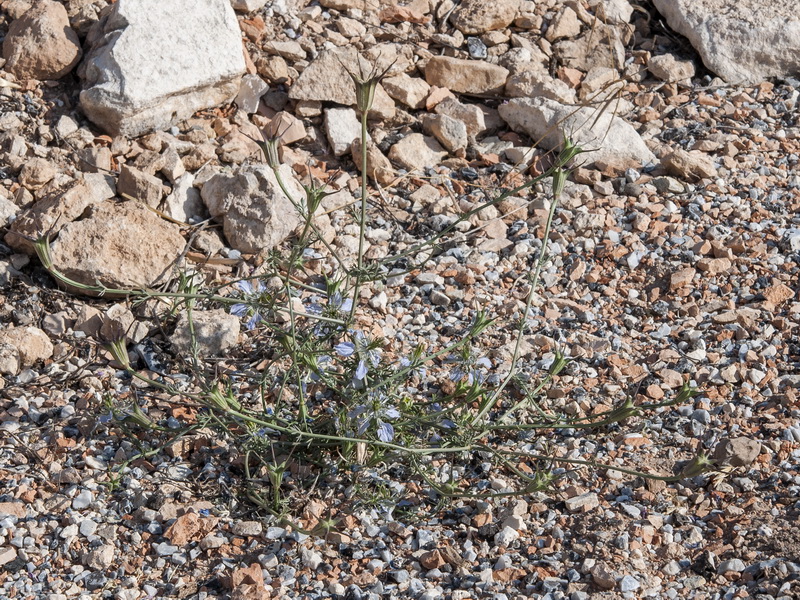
point(249, 306)
point(469, 368)
point(362, 349)
point(376, 411)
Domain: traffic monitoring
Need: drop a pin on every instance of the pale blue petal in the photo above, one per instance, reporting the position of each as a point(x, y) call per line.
point(361, 370)
point(391, 413)
point(346, 306)
point(483, 362)
point(385, 431)
point(245, 286)
point(345, 348)
point(240, 310)
point(251, 324)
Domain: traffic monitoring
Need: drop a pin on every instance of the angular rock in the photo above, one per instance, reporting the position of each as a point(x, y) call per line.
point(342, 127)
point(450, 132)
point(247, 6)
point(544, 120)
point(121, 245)
point(31, 343)
point(9, 359)
point(256, 215)
point(614, 11)
point(410, 91)
point(378, 166)
point(601, 46)
point(36, 173)
point(466, 76)
point(535, 83)
point(743, 42)
point(41, 44)
point(469, 114)
point(8, 211)
point(690, 165)
point(52, 212)
point(667, 68)
point(417, 151)
point(288, 127)
point(143, 73)
point(326, 79)
point(251, 89)
point(479, 16)
point(184, 202)
point(565, 25)
point(582, 503)
point(215, 332)
point(737, 452)
point(101, 558)
point(140, 186)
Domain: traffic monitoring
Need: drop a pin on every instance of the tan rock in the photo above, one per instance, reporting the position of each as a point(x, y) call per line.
point(479, 16)
point(450, 132)
point(692, 165)
point(13, 509)
point(140, 186)
point(36, 172)
point(601, 46)
point(681, 278)
point(466, 76)
point(214, 331)
point(121, 245)
point(31, 343)
point(778, 293)
point(41, 44)
point(565, 25)
point(378, 166)
point(416, 151)
point(288, 127)
point(432, 560)
point(714, 266)
point(667, 68)
point(184, 529)
point(410, 91)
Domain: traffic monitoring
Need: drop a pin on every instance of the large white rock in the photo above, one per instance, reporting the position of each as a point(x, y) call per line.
point(544, 120)
point(744, 42)
point(152, 64)
point(256, 215)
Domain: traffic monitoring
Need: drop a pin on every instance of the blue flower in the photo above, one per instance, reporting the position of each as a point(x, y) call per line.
point(343, 305)
point(375, 411)
point(469, 368)
point(366, 355)
point(251, 295)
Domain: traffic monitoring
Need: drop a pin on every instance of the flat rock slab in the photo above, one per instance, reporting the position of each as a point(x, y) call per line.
point(121, 245)
point(610, 138)
point(743, 42)
point(151, 65)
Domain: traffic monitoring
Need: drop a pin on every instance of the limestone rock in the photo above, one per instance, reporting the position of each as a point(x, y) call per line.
point(41, 44)
point(737, 452)
point(479, 16)
point(469, 114)
point(144, 73)
point(565, 25)
point(215, 331)
point(410, 91)
point(691, 165)
point(667, 68)
point(466, 76)
point(614, 11)
point(417, 151)
point(8, 211)
point(256, 215)
point(544, 120)
point(247, 6)
point(9, 359)
point(342, 127)
point(121, 245)
point(184, 202)
point(743, 42)
point(31, 343)
point(326, 79)
point(378, 166)
point(450, 132)
point(535, 83)
point(140, 186)
point(601, 46)
point(55, 210)
point(36, 173)
point(251, 89)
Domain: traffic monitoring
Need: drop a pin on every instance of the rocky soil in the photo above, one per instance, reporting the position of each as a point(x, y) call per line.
point(128, 136)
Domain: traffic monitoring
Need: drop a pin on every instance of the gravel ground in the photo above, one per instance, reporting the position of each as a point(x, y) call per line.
point(654, 278)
